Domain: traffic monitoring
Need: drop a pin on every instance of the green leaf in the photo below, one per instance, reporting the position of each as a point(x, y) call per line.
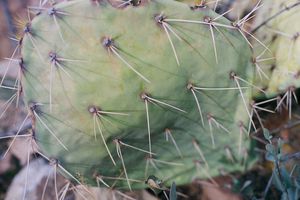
point(173, 194)
point(270, 157)
point(270, 149)
point(267, 134)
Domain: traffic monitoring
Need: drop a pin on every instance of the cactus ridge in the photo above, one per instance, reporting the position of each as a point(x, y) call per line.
point(118, 91)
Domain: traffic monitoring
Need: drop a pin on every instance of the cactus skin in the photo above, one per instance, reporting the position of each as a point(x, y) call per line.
point(282, 36)
point(66, 52)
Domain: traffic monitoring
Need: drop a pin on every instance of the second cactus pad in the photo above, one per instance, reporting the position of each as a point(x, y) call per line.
point(281, 34)
point(121, 91)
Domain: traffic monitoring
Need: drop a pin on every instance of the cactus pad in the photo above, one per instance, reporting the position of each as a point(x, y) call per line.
point(124, 90)
point(281, 34)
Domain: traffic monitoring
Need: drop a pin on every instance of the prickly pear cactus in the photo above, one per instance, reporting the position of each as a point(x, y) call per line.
point(281, 64)
point(121, 91)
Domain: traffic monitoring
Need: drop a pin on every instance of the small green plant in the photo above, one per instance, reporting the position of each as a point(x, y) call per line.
point(286, 181)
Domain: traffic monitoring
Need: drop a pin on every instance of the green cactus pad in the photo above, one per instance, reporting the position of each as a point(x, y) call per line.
point(116, 73)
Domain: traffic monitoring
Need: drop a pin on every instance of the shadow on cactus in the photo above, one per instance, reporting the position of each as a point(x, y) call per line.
point(118, 91)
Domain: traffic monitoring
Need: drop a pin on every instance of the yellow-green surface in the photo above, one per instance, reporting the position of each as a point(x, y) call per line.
point(281, 35)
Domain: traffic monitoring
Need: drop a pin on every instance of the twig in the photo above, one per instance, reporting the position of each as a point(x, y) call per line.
point(225, 7)
point(26, 126)
point(274, 16)
point(286, 126)
point(291, 156)
point(268, 186)
point(277, 168)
